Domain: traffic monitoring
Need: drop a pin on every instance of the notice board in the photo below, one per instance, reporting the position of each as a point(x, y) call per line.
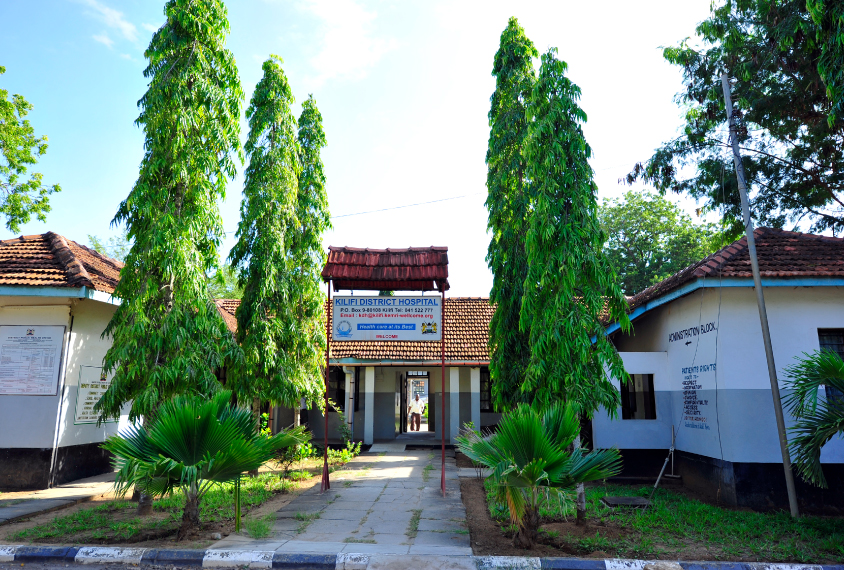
point(386, 318)
point(92, 385)
point(30, 359)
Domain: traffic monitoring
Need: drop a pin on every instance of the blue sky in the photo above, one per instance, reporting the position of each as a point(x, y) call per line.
point(403, 88)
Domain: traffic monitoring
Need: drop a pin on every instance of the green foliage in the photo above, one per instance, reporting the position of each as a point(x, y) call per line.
point(167, 335)
point(818, 421)
point(530, 458)
point(828, 15)
point(507, 201)
point(570, 282)
point(115, 247)
point(649, 239)
point(790, 134)
point(343, 427)
point(675, 527)
point(278, 254)
point(192, 444)
point(223, 284)
point(344, 455)
point(99, 523)
point(20, 198)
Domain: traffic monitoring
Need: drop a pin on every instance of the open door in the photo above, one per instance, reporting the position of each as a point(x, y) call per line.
point(404, 419)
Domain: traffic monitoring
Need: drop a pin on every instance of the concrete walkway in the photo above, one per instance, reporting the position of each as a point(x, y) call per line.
point(21, 504)
point(387, 503)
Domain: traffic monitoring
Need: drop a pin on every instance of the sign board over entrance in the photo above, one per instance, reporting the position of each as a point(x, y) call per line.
point(386, 318)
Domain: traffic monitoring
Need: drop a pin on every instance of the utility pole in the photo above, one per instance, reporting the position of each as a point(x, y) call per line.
point(760, 299)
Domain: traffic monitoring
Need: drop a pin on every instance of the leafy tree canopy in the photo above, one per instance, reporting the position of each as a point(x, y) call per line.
point(791, 136)
point(649, 239)
point(21, 197)
point(115, 247)
point(570, 282)
point(283, 214)
point(507, 201)
point(168, 337)
point(223, 284)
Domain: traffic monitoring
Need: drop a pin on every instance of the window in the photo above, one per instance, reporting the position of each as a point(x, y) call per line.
point(637, 398)
point(832, 339)
point(337, 388)
point(486, 391)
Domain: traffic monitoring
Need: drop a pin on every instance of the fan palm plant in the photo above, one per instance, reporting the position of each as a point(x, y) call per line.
point(818, 420)
point(192, 444)
point(530, 457)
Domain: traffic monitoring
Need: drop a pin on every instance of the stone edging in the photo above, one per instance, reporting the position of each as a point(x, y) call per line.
point(346, 561)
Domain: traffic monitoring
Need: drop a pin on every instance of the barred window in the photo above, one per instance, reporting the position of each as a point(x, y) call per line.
point(486, 391)
point(832, 339)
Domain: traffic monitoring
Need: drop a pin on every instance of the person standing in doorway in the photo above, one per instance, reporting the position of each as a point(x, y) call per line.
point(415, 409)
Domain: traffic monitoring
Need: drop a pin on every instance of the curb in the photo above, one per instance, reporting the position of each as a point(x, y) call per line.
point(348, 561)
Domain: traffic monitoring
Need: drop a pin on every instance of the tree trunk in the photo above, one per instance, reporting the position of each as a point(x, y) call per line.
point(297, 414)
point(581, 494)
point(256, 414)
point(144, 505)
point(190, 516)
point(527, 534)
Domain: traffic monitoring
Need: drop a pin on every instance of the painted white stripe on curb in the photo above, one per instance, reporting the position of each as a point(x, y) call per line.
point(351, 561)
point(103, 555)
point(763, 566)
point(229, 558)
point(626, 564)
point(7, 553)
point(510, 562)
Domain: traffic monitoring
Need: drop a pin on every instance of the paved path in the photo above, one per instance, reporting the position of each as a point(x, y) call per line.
point(387, 503)
point(21, 504)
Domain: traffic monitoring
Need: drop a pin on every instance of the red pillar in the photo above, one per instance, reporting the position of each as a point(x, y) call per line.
point(326, 484)
point(442, 398)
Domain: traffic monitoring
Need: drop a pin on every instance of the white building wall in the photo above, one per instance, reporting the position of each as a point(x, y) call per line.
point(735, 422)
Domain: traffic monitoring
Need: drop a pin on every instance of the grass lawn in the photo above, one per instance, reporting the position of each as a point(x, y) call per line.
point(115, 521)
point(678, 527)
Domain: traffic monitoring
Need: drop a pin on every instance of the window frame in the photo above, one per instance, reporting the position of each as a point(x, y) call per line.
point(485, 390)
point(629, 405)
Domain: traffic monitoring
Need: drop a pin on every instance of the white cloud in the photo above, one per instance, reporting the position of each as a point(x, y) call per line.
point(126, 56)
point(113, 19)
point(104, 39)
point(150, 27)
point(349, 47)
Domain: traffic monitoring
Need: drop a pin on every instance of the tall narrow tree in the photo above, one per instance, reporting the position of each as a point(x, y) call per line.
point(570, 282)
point(314, 219)
point(276, 326)
point(167, 336)
point(507, 202)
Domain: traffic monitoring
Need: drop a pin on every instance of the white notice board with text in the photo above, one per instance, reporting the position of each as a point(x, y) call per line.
point(30, 359)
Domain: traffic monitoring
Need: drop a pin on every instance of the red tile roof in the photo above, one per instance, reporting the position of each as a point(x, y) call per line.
point(50, 260)
point(781, 254)
point(364, 269)
point(466, 336)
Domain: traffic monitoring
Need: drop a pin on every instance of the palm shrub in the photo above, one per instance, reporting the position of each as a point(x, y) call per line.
point(531, 456)
point(192, 444)
point(818, 420)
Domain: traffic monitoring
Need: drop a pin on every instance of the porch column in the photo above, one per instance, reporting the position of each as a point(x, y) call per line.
point(369, 404)
point(475, 387)
point(454, 403)
point(349, 405)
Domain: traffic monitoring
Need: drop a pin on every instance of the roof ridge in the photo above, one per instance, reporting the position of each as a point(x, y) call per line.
point(115, 262)
point(77, 275)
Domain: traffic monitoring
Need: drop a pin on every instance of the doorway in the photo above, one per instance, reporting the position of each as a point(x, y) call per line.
point(415, 382)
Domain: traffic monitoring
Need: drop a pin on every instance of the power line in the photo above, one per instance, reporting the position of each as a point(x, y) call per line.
point(406, 206)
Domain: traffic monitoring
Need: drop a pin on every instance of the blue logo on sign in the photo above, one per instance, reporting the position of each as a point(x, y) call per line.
point(344, 329)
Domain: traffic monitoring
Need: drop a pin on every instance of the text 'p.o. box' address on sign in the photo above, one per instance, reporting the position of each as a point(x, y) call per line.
point(386, 318)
